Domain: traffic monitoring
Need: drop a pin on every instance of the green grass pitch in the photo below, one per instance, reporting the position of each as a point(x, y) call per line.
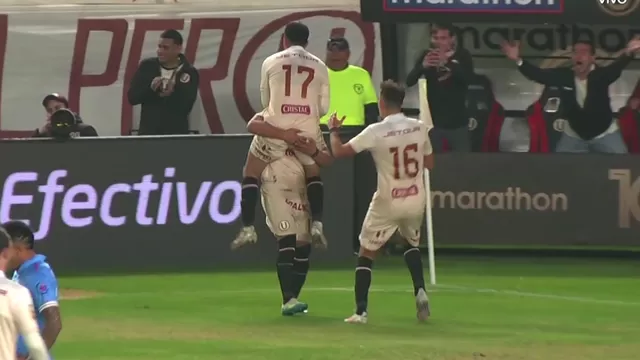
point(485, 308)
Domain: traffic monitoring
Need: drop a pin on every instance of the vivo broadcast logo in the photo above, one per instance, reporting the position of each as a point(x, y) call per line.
point(82, 205)
point(477, 6)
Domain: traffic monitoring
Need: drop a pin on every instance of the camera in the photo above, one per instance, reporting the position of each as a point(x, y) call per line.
point(63, 124)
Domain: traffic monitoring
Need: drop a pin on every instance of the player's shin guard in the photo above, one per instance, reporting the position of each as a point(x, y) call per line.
point(315, 194)
point(249, 200)
point(286, 254)
point(300, 268)
point(413, 259)
point(363, 282)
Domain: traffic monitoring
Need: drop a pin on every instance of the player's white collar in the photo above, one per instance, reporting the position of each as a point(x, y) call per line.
point(394, 117)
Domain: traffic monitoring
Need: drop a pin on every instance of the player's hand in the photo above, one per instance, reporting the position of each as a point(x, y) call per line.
point(307, 146)
point(334, 122)
point(156, 82)
point(291, 136)
point(511, 50)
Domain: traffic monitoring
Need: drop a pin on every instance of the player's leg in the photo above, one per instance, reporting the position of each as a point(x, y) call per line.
point(410, 231)
point(285, 262)
point(376, 231)
point(257, 160)
point(315, 196)
point(301, 265)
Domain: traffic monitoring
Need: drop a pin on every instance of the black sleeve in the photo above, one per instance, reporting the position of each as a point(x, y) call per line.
point(140, 88)
point(417, 71)
point(185, 93)
point(88, 130)
point(371, 113)
point(461, 66)
point(541, 76)
point(612, 72)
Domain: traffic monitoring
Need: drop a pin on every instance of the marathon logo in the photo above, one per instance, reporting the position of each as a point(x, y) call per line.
point(477, 6)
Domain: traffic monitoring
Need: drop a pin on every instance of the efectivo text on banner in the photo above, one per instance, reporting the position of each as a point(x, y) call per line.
point(503, 11)
point(177, 200)
point(92, 59)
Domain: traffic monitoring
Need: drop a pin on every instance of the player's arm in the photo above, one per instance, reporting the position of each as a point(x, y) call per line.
point(25, 321)
point(46, 301)
point(316, 150)
point(361, 142)
point(257, 126)
point(265, 91)
point(325, 90)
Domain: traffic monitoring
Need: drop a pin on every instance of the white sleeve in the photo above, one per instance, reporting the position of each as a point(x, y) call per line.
point(265, 91)
point(25, 318)
point(325, 91)
point(366, 140)
point(428, 148)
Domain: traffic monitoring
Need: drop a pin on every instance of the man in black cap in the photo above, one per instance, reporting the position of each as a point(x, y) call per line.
point(54, 103)
point(166, 87)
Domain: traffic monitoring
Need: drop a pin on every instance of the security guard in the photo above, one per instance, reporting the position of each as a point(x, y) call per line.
point(352, 92)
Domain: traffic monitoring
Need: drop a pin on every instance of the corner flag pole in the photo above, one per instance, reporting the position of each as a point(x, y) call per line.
point(425, 116)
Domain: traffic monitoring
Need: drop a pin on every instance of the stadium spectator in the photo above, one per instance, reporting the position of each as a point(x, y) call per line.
point(448, 70)
point(584, 94)
point(352, 92)
point(52, 104)
point(166, 86)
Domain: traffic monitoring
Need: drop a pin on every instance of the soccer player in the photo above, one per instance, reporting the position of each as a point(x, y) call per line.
point(284, 200)
point(34, 273)
point(401, 149)
point(16, 311)
point(294, 90)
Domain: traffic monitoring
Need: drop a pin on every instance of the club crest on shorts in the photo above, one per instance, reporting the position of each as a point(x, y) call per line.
point(284, 225)
point(185, 78)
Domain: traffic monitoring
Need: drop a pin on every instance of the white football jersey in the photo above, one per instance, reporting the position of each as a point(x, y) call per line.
point(17, 316)
point(294, 89)
point(398, 145)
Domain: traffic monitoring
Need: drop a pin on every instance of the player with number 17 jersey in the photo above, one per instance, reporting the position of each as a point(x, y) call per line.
point(294, 90)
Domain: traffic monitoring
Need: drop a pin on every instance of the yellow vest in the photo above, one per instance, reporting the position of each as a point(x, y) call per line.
point(351, 89)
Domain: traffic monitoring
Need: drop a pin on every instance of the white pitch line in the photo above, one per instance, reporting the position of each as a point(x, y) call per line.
point(542, 296)
point(436, 289)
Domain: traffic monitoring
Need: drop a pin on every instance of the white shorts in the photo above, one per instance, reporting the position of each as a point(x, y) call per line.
point(381, 223)
point(286, 212)
point(269, 150)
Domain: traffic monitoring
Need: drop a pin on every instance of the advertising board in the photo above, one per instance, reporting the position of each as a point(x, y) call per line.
point(143, 204)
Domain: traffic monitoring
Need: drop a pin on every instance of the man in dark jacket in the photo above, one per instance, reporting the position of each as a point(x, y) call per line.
point(166, 86)
point(584, 95)
point(448, 70)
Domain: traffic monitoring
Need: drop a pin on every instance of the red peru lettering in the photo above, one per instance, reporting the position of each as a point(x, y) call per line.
point(4, 24)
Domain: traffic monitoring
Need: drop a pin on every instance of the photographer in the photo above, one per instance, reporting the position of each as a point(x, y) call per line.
point(448, 71)
point(65, 124)
point(52, 103)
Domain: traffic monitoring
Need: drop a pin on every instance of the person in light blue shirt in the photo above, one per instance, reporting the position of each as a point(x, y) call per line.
point(34, 273)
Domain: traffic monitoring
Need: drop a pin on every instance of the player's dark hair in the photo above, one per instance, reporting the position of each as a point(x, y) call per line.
point(5, 239)
point(20, 233)
point(172, 34)
point(392, 93)
point(588, 43)
point(297, 33)
point(449, 27)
